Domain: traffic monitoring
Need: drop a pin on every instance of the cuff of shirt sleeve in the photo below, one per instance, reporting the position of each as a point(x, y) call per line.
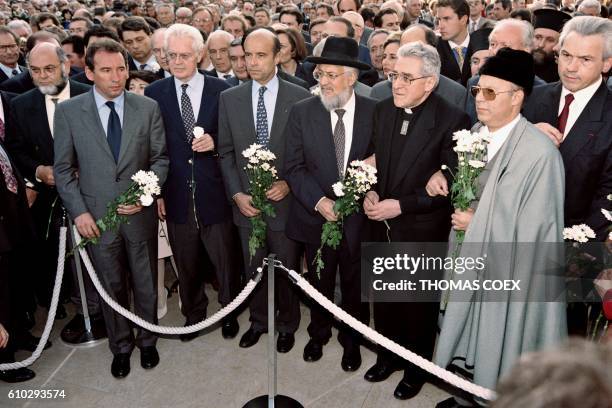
point(318, 202)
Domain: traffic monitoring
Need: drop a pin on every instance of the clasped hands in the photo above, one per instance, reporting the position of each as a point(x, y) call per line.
point(277, 192)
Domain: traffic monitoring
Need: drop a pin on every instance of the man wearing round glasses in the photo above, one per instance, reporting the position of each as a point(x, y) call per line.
point(412, 141)
point(324, 134)
point(9, 54)
point(519, 200)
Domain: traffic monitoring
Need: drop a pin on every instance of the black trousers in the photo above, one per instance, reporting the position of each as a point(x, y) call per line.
point(350, 283)
point(190, 242)
point(285, 292)
point(122, 265)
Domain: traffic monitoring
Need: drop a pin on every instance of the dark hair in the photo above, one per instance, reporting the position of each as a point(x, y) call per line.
point(276, 47)
point(37, 36)
point(250, 19)
point(298, 16)
point(298, 46)
point(430, 36)
point(6, 30)
point(367, 14)
point(357, 5)
point(316, 22)
point(378, 18)
point(521, 14)
point(105, 45)
point(350, 31)
point(144, 75)
point(327, 7)
point(87, 21)
point(260, 9)
point(60, 33)
point(506, 4)
point(99, 32)
point(460, 7)
point(236, 42)
point(132, 5)
point(153, 23)
point(78, 45)
point(99, 11)
point(204, 35)
point(40, 17)
point(133, 24)
point(233, 17)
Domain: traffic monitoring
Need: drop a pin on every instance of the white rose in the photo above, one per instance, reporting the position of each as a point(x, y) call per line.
point(146, 200)
point(198, 132)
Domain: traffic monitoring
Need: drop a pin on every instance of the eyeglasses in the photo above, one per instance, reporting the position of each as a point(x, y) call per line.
point(489, 94)
point(49, 70)
point(407, 79)
point(172, 56)
point(201, 20)
point(8, 47)
point(319, 75)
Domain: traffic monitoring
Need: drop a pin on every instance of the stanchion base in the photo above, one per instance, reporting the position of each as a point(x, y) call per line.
point(280, 401)
point(87, 340)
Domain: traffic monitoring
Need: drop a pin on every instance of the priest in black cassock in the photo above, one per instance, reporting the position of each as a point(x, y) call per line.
point(547, 24)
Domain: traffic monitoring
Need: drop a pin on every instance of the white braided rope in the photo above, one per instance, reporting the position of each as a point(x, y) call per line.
point(390, 345)
point(219, 315)
point(52, 309)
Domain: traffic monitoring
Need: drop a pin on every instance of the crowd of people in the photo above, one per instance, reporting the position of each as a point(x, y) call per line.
point(92, 92)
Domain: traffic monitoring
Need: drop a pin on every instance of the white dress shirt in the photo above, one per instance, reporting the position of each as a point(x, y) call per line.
point(195, 88)
point(149, 65)
point(104, 111)
point(348, 118)
point(581, 98)
point(9, 71)
point(269, 100)
point(499, 137)
point(61, 97)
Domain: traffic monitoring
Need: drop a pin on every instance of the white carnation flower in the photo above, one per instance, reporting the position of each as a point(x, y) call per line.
point(146, 200)
point(338, 189)
point(477, 164)
point(265, 166)
point(198, 132)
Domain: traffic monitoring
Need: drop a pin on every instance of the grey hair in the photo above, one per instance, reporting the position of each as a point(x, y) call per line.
point(587, 26)
point(426, 53)
point(162, 5)
point(184, 30)
point(587, 4)
point(13, 24)
point(524, 26)
point(59, 51)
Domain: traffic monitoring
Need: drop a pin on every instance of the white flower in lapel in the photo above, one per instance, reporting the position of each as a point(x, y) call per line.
point(198, 132)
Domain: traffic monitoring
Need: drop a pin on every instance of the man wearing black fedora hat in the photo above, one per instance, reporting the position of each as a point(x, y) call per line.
point(324, 134)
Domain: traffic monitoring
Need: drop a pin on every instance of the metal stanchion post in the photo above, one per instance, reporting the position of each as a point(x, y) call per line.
point(88, 338)
point(272, 400)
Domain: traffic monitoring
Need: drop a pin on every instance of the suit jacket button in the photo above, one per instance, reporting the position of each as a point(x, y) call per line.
point(190, 161)
point(117, 179)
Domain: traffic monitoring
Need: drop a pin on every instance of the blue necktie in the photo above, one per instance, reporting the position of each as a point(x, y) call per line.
point(262, 119)
point(113, 131)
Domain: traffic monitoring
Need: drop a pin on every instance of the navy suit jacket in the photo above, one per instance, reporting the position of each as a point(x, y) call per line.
point(310, 166)
point(211, 203)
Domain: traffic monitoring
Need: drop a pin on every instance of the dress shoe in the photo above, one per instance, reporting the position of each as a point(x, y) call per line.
point(74, 332)
point(448, 403)
point(149, 357)
point(188, 336)
point(313, 350)
point(406, 390)
point(121, 365)
point(285, 342)
point(250, 338)
point(230, 328)
point(17, 376)
point(351, 359)
point(28, 342)
point(379, 372)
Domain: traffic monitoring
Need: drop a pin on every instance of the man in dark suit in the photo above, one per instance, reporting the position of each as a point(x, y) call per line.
point(107, 135)
point(453, 92)
point(413, 139)
point(30, 141)
point(9, 55)
point(91, 36)
point(576, 113)
point(218, 46)
point(453, 47)
point(194, 200)
point(264, 126)
point(16, 237)
point(324, 134)
point(135, 36)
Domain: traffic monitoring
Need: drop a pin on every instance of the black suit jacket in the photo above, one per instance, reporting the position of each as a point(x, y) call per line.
point(18, 84)
point(450, 67)
point(586, 152)
point(428, 146)
point(28, 135)
point(310, 166)
point(4, 77)
point(132, 67)
point(82, 78)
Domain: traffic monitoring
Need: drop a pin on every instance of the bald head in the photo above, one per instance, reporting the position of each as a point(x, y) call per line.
point(413, 34)
point(357, 23)
point(50, 81)
point(220, 35)
point(46, 49)
point(263, 36)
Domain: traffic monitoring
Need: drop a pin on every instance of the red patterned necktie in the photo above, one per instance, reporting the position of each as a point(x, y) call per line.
point(7, 172)
point(569, 98)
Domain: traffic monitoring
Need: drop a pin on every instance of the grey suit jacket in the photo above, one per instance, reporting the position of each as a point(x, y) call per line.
point(453, 92)
point(237, 133)
point(80, 146)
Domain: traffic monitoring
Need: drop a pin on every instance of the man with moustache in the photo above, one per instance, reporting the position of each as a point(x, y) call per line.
point(324, 134)
point(265, 103)
point(30, 140)
point(194, 205)
point(547, 26)
point(412, 140)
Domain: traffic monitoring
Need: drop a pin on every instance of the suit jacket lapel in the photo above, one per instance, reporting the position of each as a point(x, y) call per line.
point(130, 113)
point(417, 139)
point(587, 125)
point(324, 137)
point(360, 136)
point(91, 121)
point(281, 114)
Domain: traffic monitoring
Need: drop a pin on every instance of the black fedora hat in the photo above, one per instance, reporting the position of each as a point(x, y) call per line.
point(340, 51)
